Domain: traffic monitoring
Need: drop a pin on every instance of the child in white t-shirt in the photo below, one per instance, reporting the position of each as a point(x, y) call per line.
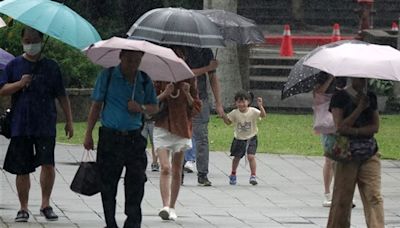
point(245, 134)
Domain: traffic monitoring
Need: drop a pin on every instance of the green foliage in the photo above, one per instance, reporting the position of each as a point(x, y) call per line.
point(381, 87)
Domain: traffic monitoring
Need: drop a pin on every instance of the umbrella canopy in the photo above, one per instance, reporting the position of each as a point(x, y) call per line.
point(177, 26)
point(2, 23)
point(302, 78)
point(359, 59)
point(160, 63)
point(5, 57)
point(53, 19)
point(235, 28)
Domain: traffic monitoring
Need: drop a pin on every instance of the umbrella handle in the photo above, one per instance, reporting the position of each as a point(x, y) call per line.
point(216, 53)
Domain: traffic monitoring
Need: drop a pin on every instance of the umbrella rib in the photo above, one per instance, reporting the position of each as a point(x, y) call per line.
point(169, 67)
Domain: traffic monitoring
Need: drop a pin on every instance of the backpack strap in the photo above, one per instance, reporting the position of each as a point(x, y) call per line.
point(109, 73)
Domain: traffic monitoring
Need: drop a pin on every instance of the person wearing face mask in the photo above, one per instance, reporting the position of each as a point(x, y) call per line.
point(356, 117)
point(34, 82)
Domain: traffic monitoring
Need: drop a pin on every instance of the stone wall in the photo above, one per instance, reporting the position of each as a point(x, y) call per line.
point(80, 104)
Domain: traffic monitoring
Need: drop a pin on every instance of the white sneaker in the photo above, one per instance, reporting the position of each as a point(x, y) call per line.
point(164, 213)
point(190, 166)
point(172, 214)
point(327, 201)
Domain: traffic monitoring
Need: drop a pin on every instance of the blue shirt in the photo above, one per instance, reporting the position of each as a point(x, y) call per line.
point(115, 113)
point(33, 108)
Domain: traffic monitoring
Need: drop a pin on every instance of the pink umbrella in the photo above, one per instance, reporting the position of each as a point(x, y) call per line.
point(5, 57)
point(160, 63)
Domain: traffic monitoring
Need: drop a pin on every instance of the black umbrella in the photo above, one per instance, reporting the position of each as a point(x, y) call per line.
point(302, 78)
point(235, 28)
point(177, 26)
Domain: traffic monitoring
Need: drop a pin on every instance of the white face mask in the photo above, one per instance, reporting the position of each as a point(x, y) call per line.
point(32, 49)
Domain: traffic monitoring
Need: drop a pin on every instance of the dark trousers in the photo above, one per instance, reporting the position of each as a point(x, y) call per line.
point(115, 151)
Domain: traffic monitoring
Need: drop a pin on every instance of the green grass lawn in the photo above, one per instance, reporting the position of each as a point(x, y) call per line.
point(278, 134)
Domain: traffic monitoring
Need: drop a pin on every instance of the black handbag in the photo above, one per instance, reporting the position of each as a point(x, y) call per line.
point(86, 180)
point(5, 124)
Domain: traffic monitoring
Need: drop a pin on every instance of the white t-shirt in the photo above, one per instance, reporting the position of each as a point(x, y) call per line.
point(245, 123)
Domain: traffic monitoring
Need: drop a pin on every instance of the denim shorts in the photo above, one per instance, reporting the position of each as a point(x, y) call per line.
point(327, 141)
point(241, 147)
point(25, 153)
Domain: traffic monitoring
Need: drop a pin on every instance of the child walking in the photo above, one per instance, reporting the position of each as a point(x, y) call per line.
point(245, 133)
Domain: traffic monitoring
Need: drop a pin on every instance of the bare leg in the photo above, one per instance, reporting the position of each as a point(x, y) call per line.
point(23, 184)
point(47, 177)
point(235, 164)
point(154, 155)
point(327, 173)
point(164, 176)
point(252, 163)
point(177, 162)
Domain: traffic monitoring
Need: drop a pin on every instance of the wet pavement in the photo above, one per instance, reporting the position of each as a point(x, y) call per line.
point(289, 194)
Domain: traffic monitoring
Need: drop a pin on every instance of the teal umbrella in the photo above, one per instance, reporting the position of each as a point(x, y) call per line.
point(54, 19)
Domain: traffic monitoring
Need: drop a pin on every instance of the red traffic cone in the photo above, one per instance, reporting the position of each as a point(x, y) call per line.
point(336, 33)
point(395, 27)
point(286, 45)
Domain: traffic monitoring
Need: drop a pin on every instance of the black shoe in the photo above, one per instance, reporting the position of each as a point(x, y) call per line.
point(203, 181)
point(22, 216)
point(49, 214)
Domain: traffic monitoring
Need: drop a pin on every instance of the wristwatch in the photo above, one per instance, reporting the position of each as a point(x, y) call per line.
point(143, 107)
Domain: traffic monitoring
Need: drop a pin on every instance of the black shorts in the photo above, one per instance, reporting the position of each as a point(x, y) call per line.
point(24, 154)
point(240, 147)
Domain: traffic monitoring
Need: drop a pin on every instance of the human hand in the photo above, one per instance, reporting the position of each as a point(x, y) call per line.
point(69, 129)
point(185, 87)
point(220, 110)
point(133, 106)
point(88, 142)
point(363, 102)
point(26, 80)
point(212, 65)
point(169, 89)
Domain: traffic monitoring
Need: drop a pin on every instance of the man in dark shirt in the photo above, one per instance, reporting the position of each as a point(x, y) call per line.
point(200, 57)
point(34, 82)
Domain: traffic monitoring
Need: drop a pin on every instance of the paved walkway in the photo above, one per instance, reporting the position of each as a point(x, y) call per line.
point(289, 194)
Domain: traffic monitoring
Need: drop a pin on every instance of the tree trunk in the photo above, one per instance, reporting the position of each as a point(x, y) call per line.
point(228, 70)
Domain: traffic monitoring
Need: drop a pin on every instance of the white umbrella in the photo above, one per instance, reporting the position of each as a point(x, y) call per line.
point(160, 63)
point(358, 59)
point(2, 23)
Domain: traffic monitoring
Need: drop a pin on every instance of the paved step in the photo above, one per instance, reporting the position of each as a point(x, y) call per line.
point(272, 60)
point(269, 70)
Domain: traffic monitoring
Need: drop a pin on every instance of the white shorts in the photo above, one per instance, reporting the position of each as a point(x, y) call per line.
point(173, 143)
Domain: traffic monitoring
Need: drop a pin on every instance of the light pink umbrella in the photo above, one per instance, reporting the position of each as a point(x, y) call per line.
point(160, 63)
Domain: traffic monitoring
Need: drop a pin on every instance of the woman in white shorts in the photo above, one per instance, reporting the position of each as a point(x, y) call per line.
point(172, 136)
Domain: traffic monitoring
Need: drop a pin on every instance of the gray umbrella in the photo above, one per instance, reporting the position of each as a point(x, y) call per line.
point(235, 28)
point(177, 26)
point(302, 78)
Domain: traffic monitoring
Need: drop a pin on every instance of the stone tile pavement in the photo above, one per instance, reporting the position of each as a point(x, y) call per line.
point(289, 194)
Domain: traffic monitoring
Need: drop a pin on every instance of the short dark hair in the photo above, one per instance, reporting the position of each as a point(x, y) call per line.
point(26, 27)
point(242, 95)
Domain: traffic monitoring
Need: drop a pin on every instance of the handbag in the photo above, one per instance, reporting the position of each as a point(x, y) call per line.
point(5, 124)
point(86, 180)
point(323, 119)
point(340, 150)
point(363, 149)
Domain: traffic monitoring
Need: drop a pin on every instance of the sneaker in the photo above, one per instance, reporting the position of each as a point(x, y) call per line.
point(164, 213)
point(232, 179)
point(172, 214)
point(155, 167)
point(49, 214)
point(253, 180)
point(22, 216)
point(203, 181)
point(189, 166)
point(327, 201)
